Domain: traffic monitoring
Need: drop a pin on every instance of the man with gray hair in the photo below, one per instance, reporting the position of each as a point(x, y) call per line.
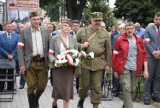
point(139, 30)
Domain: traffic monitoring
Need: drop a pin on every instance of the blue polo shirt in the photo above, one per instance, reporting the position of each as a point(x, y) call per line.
point(140, 32)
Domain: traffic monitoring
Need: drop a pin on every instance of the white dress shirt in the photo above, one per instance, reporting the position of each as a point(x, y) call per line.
point(37, 42)
point(8, 35)
point(62, 48)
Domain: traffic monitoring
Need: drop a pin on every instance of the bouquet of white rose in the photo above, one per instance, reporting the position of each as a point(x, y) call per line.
point(72, 58)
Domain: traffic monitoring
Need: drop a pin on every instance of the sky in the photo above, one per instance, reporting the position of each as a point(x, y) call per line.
point(111, 3)
point(3, 0)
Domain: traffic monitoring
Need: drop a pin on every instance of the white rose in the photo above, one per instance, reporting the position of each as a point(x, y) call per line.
point(91, 54)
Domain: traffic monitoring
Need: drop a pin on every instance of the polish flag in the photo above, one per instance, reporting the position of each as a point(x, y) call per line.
point(50, 51)
point(147, 41)
point(20, 45)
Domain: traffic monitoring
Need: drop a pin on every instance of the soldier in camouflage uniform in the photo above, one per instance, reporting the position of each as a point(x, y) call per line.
point(93, 38)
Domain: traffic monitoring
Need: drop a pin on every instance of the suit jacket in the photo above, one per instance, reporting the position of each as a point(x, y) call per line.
point(25, 47)
point(55, 45)
point(8, 45)
point(112, 37)
point(151, 40)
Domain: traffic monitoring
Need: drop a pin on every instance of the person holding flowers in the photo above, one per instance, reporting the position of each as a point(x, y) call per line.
point(63, 53)
point(93, 39)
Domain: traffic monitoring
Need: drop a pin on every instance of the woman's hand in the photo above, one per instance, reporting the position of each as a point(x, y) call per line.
point(145, 74)
point(116, 75)
point(56, 63)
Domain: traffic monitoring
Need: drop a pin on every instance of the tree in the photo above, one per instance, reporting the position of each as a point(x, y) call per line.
point(141, 11)
point(75, 9)
point(55, 10)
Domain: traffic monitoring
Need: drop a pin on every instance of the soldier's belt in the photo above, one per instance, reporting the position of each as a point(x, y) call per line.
point(38, 59)
point(96, 54)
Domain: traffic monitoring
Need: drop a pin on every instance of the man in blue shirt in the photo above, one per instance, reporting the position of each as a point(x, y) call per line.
point(139, 30)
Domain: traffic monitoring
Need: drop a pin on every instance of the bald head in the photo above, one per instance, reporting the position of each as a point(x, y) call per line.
point(137, 26)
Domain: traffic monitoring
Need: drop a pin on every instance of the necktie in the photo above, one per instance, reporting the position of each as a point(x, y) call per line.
point(158, 32)
point(9, 35)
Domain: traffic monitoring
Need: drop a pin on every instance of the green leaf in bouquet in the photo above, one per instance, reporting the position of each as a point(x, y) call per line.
point(52, 66)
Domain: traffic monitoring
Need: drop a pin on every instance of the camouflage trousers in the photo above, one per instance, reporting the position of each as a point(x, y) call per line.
point(128, 83)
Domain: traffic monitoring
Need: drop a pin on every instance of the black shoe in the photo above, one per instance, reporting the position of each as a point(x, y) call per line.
point(77, 90)
point(146, 101)
point(156, 99)
point(21, 86)
point(54, 106)
point(116, 94)
point(80, 104)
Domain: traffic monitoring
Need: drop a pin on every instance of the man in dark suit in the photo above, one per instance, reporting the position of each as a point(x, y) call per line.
point(119, 22)
point(152, 44)
point(51, 29)
point(116, 85)
point(33, 47)
point(8, 50)
point(75, 27)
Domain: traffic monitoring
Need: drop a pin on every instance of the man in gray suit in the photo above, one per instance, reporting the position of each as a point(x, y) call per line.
point(33, 47)
point(152, 44)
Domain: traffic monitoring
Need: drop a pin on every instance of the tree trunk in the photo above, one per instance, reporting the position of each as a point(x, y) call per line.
point(74, 10)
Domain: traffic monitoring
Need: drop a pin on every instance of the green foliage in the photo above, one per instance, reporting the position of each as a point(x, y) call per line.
point(44, 3)
point(141, 11)
point(55, 9)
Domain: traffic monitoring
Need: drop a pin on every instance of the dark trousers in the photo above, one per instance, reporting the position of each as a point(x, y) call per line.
point(51, 77)
point(102, 83)
point(154, 77)
point(22, 81)
point(17, 68)
point(77, 83)
point(10, 85)
point(116, 85)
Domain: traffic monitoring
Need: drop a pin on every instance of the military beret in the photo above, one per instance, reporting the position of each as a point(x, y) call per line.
point(68, 21)
point(96, 16)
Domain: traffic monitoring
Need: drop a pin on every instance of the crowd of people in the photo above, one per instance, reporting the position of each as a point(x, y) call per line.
point(127, 49)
